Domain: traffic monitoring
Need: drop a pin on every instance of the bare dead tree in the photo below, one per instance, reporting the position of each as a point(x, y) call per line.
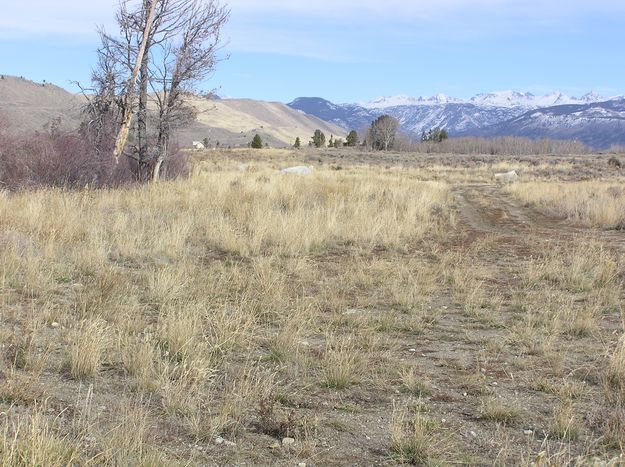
point(383, 131)
point(164, 48)
point(185, 62)
point(122, 136)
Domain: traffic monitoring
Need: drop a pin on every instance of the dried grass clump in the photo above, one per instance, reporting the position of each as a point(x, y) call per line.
point(87, 343)
point(594, 203)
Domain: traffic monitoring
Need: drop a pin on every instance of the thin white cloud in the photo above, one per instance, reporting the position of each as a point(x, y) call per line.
point(59, 17)
point(272, 25)
point(353, 9)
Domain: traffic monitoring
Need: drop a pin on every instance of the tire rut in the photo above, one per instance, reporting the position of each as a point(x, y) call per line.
point(486, 209)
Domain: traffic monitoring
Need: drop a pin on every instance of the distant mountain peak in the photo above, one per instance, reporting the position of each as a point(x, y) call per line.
point(405, 100)
point(507, 99)
point(590, 118)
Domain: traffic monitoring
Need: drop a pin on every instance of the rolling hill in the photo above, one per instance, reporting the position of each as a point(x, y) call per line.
point(235, 122)
point(231, 122)
point(30, 106)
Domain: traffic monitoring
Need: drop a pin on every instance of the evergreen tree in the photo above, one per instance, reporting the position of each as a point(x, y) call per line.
point(298, 143)
point(352, 139)
point(319, 139)
point(331, 142)
point(257, 142)
point(435, 135)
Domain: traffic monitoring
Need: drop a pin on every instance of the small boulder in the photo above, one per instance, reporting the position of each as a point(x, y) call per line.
point(299, 170)
point(288, 441)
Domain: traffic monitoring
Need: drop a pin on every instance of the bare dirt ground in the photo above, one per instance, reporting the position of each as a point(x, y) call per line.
point(488, 209)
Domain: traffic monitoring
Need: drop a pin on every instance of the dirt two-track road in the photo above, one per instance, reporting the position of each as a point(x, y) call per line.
point(487, 209)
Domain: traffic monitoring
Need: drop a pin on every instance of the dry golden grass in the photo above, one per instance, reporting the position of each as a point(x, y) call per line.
point(497, 410)
point(615, 373)
point(414, 440)
point(87, 344)
point(31, 440)
point(565, 424)
point(207, 318)
point(591, 204)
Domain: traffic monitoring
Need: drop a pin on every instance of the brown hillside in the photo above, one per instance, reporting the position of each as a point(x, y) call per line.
point(233, 122)
point(236, 121)
point(29, 105)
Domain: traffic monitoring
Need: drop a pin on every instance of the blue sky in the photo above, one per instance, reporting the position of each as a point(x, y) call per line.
point(349, 50)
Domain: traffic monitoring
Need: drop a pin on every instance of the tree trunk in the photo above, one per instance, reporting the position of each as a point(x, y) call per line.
point(156, 173)
point(142, 119)
point(122, 136)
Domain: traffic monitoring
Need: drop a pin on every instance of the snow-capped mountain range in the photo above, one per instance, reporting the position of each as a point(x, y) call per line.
point(489, 114)
point(492, 99)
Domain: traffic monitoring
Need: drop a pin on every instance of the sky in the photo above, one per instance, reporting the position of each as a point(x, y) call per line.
point(355, 51)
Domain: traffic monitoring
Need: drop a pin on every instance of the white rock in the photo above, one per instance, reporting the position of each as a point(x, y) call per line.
point(54, 324)
point(528, 432)
point(508, 177)
point(219, 440)
point(288, 441)
point(474, 434)
point(299, 170)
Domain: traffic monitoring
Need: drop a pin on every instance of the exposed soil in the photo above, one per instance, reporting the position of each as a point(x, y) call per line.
point(488, 209)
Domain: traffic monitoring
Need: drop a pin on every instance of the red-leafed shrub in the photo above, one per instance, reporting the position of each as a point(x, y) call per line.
point(67, 160)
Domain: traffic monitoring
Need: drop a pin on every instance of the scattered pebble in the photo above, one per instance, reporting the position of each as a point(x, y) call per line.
point(225, 442)
point(288, 441)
